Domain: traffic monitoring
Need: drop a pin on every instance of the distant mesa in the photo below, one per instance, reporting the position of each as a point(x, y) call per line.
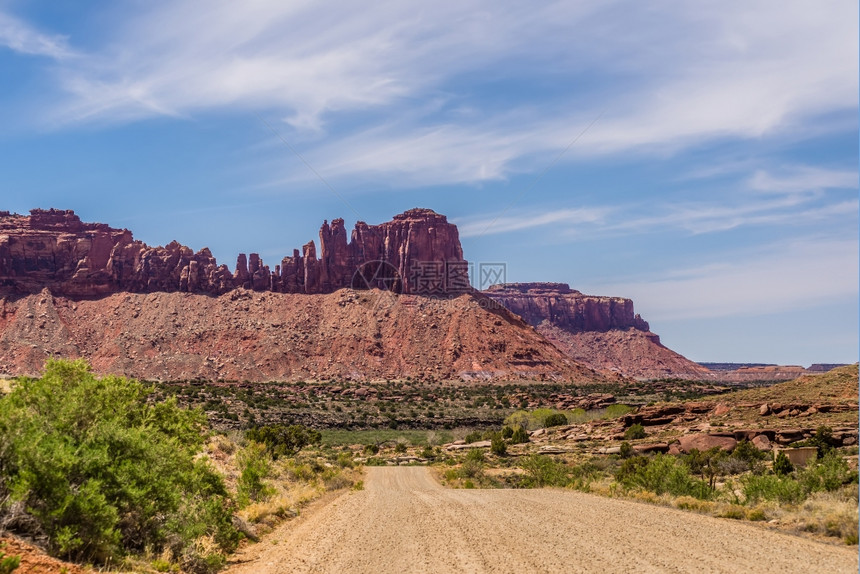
point(601, 332)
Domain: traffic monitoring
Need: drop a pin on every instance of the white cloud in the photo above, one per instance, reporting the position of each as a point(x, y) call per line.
point(785, 277)
point(506, 223)
point(793, 195)
point(804, 178)
point(24, 39)
point(668, 74)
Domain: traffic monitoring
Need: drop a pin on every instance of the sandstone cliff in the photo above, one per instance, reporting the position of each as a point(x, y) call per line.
point(601, 332)
point(417, 252)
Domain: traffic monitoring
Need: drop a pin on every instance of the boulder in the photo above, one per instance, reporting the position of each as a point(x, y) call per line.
point(704, 442)
point(761, 442)
point(764, 410)
point(721, 409)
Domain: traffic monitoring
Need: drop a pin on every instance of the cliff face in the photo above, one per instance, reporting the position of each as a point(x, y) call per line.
point(417, 252)
point(601, 332)
point(566, 308)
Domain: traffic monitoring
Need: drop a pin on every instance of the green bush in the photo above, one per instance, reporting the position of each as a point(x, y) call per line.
point(781, 465)
point(254, 467)
point(498, 446)
point(103, 471)
point(661, 474)
point(282, 440)
point(471, 468)
point(542, 470)
point(772, 487)
point(475, 454)
point(828, 474)
point(473, 436)
point(371, 449)
point(507, 432)
point(635, 431)
point(748, 452)
point(626, 450)
point(519, 436)
point(555, 420)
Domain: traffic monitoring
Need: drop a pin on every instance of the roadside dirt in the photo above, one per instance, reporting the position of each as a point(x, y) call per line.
point(404, 521)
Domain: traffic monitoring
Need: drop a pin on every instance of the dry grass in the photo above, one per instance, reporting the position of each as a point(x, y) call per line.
point(286, 501)
point(828, 513)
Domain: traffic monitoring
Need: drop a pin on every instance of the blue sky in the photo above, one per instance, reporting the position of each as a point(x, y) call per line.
point(700, 158)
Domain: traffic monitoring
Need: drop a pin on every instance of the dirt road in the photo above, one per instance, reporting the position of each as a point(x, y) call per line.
point(404, 522)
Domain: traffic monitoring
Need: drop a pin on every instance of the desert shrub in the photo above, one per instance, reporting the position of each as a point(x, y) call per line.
point(542, 470)
point(428, 453)
point(344, 460)
point(498, 446)
point(747, 452)
point(473, 436)
point(254, 467)
point(400, 447)
point(282, 440)
point(471, 468)
point(475, 454)
point(626, 450)
point(661, 474)
point(705, 464)
point(102, 471)
point(371, 449)
point(772, 487)
point(519, 436)
point(635, 431)
point(555, 420)
point(781, 465)
point(829, 474)
point(507, 432)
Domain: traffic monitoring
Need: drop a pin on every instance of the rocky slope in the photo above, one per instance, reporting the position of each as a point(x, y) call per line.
point(417, 252)
point(602, 332)
point(251, 336)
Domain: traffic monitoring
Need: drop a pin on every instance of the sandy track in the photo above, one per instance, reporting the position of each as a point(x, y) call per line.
point(404, 521)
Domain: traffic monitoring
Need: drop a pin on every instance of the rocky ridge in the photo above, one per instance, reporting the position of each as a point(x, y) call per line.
point(55, 249)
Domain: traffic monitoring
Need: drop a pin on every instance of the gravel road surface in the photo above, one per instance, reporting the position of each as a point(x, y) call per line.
point(404, 522)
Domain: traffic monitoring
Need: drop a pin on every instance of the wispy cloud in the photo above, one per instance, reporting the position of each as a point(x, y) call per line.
point(799, 179)
point(504, 224)
point(24, 39)
point(789, 194)
point(781, 278)
point(736, 70)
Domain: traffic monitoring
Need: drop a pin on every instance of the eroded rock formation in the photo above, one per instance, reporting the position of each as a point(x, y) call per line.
point(55, 249)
